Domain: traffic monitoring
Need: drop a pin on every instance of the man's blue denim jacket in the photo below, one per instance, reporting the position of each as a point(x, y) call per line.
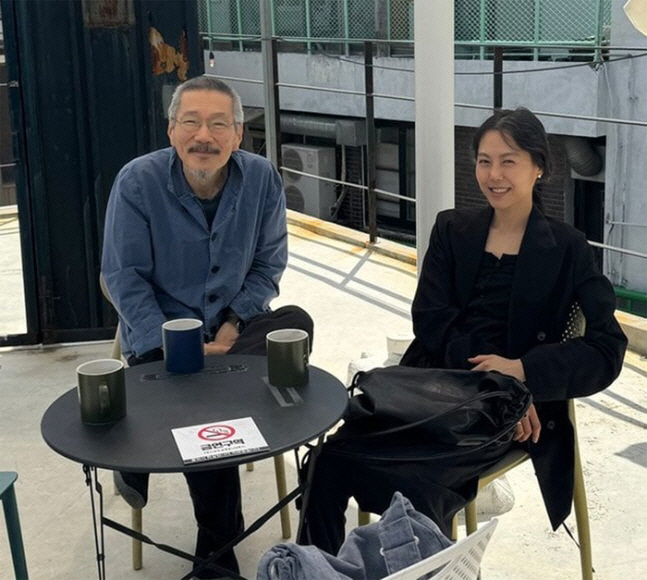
point(402, 537)
point(161, 260)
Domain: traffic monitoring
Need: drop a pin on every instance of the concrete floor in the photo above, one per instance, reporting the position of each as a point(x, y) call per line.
point(12, 301)
point(356, 297)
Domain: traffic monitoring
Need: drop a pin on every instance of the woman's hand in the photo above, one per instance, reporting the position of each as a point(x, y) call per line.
point(529, 426)
point(224, 340)
point(494, 362)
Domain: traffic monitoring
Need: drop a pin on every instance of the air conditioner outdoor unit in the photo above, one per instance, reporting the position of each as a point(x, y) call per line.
point(307, 194)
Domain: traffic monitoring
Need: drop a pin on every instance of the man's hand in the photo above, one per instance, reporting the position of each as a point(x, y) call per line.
point(528, 426)
point(224, 340)
point(493, 362)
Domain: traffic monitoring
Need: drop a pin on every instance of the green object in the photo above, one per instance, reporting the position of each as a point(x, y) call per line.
point(102, 391)
point(8, 495)
point(631, 301)
point(287, 357)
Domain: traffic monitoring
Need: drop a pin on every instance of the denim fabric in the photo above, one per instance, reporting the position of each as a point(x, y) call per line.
point(162, 261)
point(402, 537)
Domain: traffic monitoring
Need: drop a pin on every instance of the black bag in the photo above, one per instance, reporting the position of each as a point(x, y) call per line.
point(447, 411)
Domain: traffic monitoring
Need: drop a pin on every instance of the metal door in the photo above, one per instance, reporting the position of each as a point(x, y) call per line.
point(18, 299)
point(87, 83)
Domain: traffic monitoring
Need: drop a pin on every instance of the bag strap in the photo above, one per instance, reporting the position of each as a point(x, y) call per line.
point(454, 452)
point(474, 399)
point(354, 384)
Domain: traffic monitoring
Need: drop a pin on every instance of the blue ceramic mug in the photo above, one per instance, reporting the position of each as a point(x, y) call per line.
point(183, 345)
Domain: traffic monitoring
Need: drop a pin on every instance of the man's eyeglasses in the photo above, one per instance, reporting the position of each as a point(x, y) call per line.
point(215, 127)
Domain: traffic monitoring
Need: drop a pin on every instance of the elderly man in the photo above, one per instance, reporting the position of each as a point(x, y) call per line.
point(198, 230)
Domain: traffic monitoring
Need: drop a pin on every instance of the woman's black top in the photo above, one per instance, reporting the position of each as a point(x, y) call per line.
point(482, 328)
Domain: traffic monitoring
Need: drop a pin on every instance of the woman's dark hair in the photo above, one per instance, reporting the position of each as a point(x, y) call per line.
point(527, 131)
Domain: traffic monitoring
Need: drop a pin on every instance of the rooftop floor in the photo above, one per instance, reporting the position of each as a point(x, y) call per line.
point(357, 297)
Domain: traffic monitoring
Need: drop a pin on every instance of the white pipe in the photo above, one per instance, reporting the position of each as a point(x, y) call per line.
point(434, 92)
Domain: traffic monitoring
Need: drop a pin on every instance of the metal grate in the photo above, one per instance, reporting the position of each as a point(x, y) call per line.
point(314, 19)
point(352, 211)
point(532, 24)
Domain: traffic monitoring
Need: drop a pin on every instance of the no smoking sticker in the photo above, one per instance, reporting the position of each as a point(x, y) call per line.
point(214, 440)
point(216, 432)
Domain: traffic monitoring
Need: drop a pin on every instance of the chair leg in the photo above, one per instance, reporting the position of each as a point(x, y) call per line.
point(581, 507)
point(250, 466)
point(582, 519)
point(583, 529)
point(470, 518)
point(136, 521)
point(13, 532)
point(282, 491)
point(454, 528)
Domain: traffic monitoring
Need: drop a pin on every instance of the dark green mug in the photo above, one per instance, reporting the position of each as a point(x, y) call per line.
point(288, 350)
point(102, 391)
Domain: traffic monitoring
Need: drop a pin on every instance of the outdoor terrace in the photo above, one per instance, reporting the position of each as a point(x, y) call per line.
point(357, 296)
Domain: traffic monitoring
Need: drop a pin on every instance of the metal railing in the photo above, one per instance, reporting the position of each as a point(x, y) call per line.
point(369, 94)
point(533, 27)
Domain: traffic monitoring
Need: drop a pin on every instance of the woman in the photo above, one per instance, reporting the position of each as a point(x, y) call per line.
point(495, 292)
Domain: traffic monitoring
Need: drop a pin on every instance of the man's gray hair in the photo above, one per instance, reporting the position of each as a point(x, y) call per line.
point(206, 83)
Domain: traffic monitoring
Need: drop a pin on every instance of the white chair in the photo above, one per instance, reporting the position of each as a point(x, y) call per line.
point(461, 561)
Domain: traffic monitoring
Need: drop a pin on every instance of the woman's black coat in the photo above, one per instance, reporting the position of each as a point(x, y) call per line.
point(555, 268)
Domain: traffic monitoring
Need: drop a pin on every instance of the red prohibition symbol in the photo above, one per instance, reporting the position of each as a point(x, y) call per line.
point(216, 432)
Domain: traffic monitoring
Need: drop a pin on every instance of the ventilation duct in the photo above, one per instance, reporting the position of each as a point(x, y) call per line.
point(308, 126)
point(582, 156)
point(349, 132)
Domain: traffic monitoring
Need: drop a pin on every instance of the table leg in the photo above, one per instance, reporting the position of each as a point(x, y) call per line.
point(92, 481)
point(282, 491)
point(136, 533)
point(136, 522)
point(314, 451)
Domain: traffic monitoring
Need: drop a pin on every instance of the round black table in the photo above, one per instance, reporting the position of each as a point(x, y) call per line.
point(229, 387)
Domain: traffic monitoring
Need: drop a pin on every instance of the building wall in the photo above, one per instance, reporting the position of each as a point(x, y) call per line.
point(626, 172)
point(572, 90)
point(329, 72)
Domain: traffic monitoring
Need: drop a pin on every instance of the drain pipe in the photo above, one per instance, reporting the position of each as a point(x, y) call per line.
point(582, 157)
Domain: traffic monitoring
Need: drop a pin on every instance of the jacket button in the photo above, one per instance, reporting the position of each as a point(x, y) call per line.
point(214, 269)
point(541, 336)
point(212, 297)
point(213, 237)
point(550, 425)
